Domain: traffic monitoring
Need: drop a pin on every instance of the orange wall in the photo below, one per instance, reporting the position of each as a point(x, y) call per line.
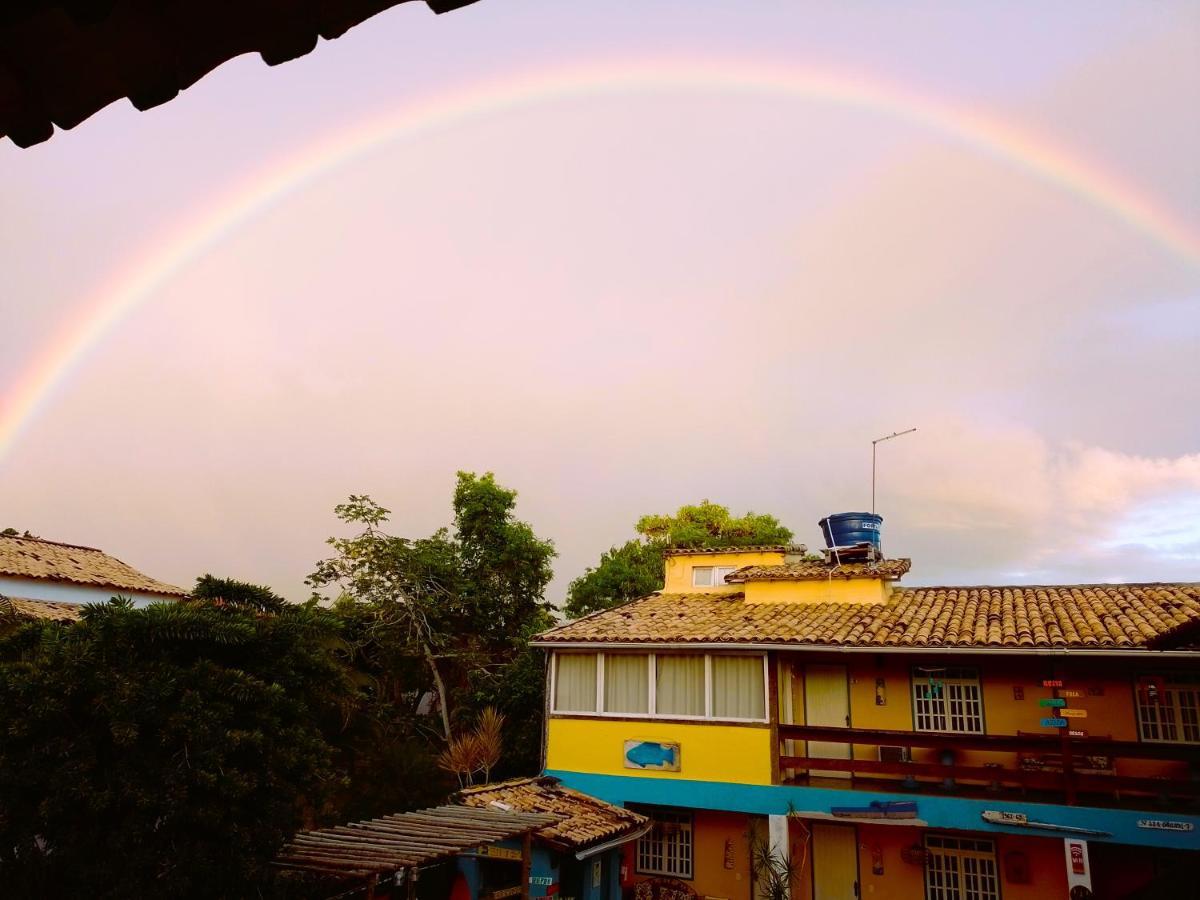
point(710, 876)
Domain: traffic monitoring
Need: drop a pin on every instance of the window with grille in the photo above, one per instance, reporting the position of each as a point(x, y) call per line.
point(960, 869)
point(947, 700)
point(666, 849)
point(1169, 712)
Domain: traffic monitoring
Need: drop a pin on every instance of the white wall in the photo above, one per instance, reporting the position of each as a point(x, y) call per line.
point(66, 592)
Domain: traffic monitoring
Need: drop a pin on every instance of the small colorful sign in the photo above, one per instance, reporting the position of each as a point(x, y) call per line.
point(1051, 701)
point(1073, 713)
point(505, 892)
point(1003, 817)
point(494, 852)
point(541, 879)
point(1052, 682)
point(1165, 825)
point(1077, 732)
point(663, 757)
point(1054, 723)
point(1070, 692)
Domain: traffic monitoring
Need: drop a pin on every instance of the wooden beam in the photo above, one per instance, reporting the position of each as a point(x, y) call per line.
point(526, 864)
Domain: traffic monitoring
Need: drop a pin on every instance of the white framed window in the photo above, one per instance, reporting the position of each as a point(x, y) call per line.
point(710, 576)
point(703, 686)
point(1168, 709)
point(667, 848)
point(960, 869)
point(947, 700)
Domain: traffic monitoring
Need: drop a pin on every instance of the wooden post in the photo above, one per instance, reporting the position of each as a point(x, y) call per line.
point(526, 863)
point(372, 881)
point(773, 713)
point(1067, 765)
point(410, 882)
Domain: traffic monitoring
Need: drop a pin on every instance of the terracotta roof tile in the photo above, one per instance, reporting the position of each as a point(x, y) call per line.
point(43, 609)
point(22, 557)
point(1114, 616)
point(749, 548)
point(819, 570)
point(583, 820)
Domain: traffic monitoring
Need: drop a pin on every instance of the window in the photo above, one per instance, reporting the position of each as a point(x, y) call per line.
point(947, 700)
point(575, 682)
point(710, 576)
point(679, 685)
point(960, 869)
point(666, 849)
point(737, 691)
point(729, 687)
point(1169, 709)
point(626, 683)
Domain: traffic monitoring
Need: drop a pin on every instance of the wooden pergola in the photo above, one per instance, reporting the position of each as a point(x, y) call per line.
point(380, 849)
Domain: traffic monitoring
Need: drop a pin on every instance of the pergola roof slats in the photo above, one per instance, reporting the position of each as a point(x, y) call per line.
point(381, 846)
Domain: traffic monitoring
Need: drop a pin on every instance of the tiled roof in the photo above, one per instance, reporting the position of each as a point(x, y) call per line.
point(43, 609)
point(752, 548)
point(1099, 616)
point(583, 820)
point(22, 557)
point(819, 570)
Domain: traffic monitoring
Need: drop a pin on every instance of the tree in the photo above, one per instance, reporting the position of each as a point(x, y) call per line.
point(163, 751)
point(636, 567)
point(460, 601)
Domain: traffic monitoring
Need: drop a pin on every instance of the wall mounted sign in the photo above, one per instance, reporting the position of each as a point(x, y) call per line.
point(1051, 701)
point(1068, 692)
point(1020, 820)
point(1073, 713)
point(541, 879)
point(1165, 825)
point(1079, 877)
point(652, 755)
point(1052, 682)
point(505, 892)
point(1077, 732)
point(729, 853)
point(1054, 723)
point(494, 852)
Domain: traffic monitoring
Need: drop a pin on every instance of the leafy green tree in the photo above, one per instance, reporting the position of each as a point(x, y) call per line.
point(636, 567)
point(460, 601)
point(163, 751)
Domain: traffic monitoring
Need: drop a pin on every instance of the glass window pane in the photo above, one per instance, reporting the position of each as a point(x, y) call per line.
point(575, 684)
point(626, 683)
point(738, 687)
point(679, 688)
point(702, 576)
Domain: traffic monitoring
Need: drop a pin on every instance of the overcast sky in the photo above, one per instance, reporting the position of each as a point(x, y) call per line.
point(625, 301)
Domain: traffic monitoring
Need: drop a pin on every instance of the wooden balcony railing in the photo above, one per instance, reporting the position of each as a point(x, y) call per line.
point(1070, 774)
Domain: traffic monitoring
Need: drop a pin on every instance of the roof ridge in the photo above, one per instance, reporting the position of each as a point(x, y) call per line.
point(41, 540)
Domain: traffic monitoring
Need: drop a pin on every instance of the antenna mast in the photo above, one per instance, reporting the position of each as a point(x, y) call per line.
point(874, 444)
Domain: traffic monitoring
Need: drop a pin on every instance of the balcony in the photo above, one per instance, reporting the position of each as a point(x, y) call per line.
point(1046, 768)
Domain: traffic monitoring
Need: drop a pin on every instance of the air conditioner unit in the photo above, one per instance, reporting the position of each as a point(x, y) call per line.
point(889, 753)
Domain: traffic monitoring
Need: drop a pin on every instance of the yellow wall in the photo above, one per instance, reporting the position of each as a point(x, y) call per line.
point(678, 575)
point(740, 754)
point(844, 590)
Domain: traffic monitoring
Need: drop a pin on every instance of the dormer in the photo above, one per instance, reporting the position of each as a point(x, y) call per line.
point(705, 570)
point(820, 581)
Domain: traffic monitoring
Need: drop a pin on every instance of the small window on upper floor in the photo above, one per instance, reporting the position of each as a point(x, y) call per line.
point(1168, 709)
point(710, 576)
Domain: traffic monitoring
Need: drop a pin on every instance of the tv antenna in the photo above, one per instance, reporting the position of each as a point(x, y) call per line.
point(875, 443)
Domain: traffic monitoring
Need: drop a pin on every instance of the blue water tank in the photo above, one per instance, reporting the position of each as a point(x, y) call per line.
point(848, 529)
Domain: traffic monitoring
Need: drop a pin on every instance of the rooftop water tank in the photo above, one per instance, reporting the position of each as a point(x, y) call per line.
point(851, 529)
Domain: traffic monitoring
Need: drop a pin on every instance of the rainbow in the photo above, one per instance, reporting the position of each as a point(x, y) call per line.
point(159, 261)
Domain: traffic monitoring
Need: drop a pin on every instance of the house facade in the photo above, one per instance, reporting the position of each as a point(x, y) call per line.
point(49, 579)
point(949, 743)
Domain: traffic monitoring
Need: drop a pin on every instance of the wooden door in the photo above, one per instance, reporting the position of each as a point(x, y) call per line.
point(835, 862)
point(827, 702)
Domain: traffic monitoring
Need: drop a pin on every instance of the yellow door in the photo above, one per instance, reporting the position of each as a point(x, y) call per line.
point(835, 862)
point(827, 702)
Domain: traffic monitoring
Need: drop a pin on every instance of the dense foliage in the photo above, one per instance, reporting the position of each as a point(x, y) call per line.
point(636, 567)
point(164, 750)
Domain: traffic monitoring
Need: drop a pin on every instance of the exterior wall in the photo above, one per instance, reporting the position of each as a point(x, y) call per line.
point(678, 574)
point(67, 592)
point(721, 859)
point(835, 590)
point(707, 751)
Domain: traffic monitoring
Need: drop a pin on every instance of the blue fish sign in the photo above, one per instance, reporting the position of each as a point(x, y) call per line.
point(1054, 723)
point(652, 755)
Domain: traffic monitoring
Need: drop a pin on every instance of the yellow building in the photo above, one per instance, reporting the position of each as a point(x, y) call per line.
point(950, 743)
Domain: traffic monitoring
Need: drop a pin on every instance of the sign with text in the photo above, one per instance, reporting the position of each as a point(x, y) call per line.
point(1165, 825)
point(1052, 682)
point(1067, 692)
point(1077, 732)
point(1078, 870)
point(1054, 723)
point(1003, 817)
point(494, 852)
point(1051, 701)
point(1073, 713)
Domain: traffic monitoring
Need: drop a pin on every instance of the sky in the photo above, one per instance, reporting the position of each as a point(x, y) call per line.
point(629, 295)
